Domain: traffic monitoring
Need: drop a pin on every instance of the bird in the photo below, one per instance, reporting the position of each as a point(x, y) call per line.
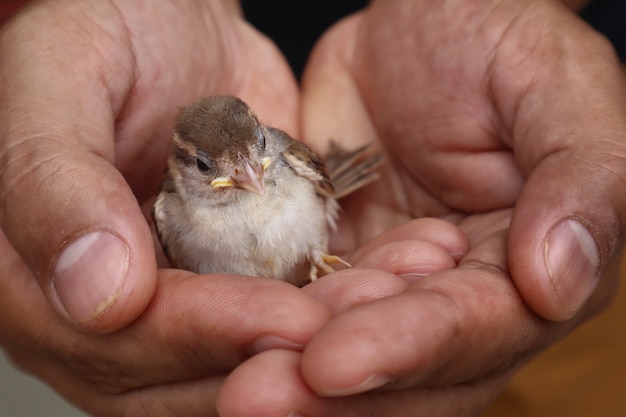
point(242, 198)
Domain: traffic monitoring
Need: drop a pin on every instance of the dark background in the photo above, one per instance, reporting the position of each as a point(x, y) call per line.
point(609, 17)
point(296, 25)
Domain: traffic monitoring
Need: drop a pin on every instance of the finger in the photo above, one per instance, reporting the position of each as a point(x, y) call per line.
point(435, 231)
point(199, 324)
point(409, 259)
point(196, 326)
point(343, 290)
point(65, 207)
point(247, 392)
point(270, 384)
point(452, 326)
point(414, 250)
point(568, 136)
point(193, 398)
point(405, 253)
point(188, 398)
point(391, 268)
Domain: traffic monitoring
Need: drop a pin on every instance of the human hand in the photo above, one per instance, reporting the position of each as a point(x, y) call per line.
point(523, 109)
point(88, 96)
point(509, 118)
point(172, 359)
point(439, 344)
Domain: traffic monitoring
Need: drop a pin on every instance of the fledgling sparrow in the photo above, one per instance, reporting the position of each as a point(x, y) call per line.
point(243, 198)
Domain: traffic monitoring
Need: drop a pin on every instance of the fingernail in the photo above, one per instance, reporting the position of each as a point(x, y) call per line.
point(572, 260)
point(89, 274)
point(370, 383)
point(412, 276)
point(268, 342)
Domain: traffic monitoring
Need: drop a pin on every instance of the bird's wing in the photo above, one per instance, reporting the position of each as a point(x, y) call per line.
point(307, 164)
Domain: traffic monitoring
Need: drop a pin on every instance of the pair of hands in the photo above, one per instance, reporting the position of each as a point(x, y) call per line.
point(479, 108)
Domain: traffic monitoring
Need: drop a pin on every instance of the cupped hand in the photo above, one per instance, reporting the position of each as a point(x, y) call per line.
point(482, 107)
point(87, 99)
point(506, 117)
point(172, 360)
point(434, 341)
point(386, 268)
point(88, 95)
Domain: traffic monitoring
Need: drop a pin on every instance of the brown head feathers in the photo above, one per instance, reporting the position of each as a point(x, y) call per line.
point(219, 125)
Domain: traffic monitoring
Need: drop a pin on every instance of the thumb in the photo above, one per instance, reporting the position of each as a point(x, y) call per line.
point(64, 207)
point(569, 140)
point(74, 220)
point(566, 233)
point(76, 223)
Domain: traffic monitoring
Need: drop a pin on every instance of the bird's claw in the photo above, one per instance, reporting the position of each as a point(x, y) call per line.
point(321, 260)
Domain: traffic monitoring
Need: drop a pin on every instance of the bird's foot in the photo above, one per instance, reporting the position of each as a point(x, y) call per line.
point(321, 260)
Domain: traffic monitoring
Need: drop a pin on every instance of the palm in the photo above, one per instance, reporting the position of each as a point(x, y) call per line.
point(446, 150)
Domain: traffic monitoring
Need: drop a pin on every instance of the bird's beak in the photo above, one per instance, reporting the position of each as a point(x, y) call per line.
point(245, 177)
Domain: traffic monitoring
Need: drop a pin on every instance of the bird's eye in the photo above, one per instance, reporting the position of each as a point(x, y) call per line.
point(261, 137)
point(203, 164)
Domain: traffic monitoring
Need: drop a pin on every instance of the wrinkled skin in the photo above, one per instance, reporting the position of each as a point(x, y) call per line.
point(499, 123)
